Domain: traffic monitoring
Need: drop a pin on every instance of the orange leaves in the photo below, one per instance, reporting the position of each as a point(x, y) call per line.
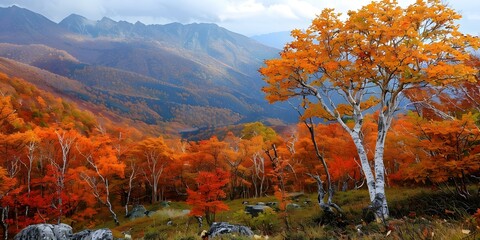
point(380, 43)
point(448, 149)
point(206, 200)
point(6, 183)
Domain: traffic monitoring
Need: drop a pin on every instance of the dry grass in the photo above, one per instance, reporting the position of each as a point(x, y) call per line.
point(410, 221)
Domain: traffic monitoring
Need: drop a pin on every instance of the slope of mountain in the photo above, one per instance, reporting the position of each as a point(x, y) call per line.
point(75, 92)
point(35, 107)
point(275, 40)
point(197, 74)
point(21, 26)
point(130, 94)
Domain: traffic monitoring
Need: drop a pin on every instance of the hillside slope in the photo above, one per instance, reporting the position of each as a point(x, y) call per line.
point(200, 75)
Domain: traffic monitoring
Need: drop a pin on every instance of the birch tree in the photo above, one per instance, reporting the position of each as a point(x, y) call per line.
point(103, 167)
point(156, 155)
point(66, 141)
point(341, 68)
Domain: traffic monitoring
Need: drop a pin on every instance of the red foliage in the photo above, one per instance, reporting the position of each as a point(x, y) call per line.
point(206, 200)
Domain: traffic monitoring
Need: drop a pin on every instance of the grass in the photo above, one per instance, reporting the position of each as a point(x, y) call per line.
point(418, 213)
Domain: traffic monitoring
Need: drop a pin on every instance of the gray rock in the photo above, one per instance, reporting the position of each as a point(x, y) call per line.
point(45, 232)
point(165, 204)
point(272, 204)
point(61, 232)
point(149, 213)
point(219, 228)
point(100, 234)
point(137, 211)
point(293, 206)
point(254, 210)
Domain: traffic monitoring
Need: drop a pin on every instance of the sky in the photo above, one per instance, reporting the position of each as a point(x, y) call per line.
point(247, 17)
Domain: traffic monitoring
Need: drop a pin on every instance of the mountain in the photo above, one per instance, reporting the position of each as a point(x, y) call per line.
point(275, 40)
point(198, 75)
point(21, 26)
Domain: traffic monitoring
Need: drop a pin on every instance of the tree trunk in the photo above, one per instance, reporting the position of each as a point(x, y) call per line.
point(4, 216)
point(109, 204)
point(367, 171)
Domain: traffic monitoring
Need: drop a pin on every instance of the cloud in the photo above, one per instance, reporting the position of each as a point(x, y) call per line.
point(244, 16)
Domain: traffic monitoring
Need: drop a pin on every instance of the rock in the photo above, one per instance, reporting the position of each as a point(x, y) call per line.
point(149, 213)
point(295, 195)
point(293, 206)
point(45, 232)
point(245, 202)
point(272, 204)
point(100, 234)
point(165, 204)
point(254, 210)
point(137, 211)
point(219, 228)
point(61, 232)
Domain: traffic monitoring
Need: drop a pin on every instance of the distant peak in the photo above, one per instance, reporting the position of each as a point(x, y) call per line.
point(74, 16)
point(75, 20)
point(106, 19)
point(138, 23)
point(16, 8)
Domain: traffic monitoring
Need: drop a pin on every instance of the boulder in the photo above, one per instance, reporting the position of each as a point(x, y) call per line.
point(137, 211)
point(100, 234)
point(272, 204)
point(61, 232)
point(219, 228)
point(293, 206)
point(149, 213)
point(165, 204)
point(254, 210)
point(45, 232)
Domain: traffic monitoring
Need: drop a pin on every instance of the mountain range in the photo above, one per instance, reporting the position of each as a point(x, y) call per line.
point(194, 75)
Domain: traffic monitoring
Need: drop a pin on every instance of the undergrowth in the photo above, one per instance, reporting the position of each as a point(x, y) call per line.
point(415, 214)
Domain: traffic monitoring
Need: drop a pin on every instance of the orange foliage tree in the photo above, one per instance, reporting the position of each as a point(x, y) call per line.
point(339, 69)
point(102, 168)
point(155, 155)
point(450, 150)
point(207, 199)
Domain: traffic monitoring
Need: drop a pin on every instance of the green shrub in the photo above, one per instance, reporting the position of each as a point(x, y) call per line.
point(267, 222)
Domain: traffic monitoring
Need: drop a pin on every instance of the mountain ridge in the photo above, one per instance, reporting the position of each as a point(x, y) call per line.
point(186, 67)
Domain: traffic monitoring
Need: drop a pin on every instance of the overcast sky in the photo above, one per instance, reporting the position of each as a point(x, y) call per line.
point(248, 17)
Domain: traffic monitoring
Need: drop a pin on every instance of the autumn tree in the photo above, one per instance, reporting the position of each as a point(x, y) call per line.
point(257, 138)
point(7, 184)
point(207, 199)
point(450, 152)
point(340, 68)
point(103, 167)
point(156, 155)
